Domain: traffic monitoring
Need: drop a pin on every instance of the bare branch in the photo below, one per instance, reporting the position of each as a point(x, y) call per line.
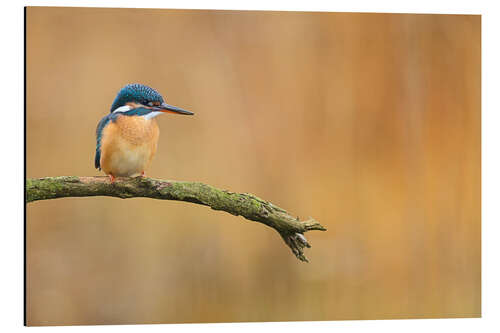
point(247, 205)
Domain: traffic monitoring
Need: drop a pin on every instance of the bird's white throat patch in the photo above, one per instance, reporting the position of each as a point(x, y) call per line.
point(153, 114)
point(126, 108)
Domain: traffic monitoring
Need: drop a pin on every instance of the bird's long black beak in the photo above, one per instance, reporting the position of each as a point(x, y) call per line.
point(164, 107)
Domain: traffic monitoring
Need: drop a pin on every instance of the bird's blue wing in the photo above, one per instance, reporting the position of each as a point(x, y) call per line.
point(98, 133)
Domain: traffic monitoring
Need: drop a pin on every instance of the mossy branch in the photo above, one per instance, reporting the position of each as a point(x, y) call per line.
point(247, 205)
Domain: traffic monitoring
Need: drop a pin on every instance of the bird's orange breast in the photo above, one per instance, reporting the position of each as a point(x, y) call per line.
point(128, 145)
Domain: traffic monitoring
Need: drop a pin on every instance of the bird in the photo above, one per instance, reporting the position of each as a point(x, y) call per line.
point(127, 137)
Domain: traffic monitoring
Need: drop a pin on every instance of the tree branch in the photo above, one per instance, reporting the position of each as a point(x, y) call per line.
point(247, 205)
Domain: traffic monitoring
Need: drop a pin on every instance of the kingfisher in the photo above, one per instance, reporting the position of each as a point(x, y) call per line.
point(127, 137)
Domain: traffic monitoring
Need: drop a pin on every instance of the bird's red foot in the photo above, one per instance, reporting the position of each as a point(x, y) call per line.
point(112, 178)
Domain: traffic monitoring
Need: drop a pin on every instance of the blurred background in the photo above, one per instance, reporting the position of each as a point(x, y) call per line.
point(369, 123)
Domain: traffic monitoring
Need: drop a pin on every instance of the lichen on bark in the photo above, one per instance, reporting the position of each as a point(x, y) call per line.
point(247, 205)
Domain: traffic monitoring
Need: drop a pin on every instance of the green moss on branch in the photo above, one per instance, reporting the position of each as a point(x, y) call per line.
point(244, 204)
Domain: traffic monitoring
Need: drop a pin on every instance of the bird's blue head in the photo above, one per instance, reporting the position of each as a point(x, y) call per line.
point(147, 99)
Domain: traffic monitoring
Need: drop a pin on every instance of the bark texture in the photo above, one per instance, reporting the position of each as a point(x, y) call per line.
point(247, 205)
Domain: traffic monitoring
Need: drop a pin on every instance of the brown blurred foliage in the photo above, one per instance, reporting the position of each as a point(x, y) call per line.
point(370, 123)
